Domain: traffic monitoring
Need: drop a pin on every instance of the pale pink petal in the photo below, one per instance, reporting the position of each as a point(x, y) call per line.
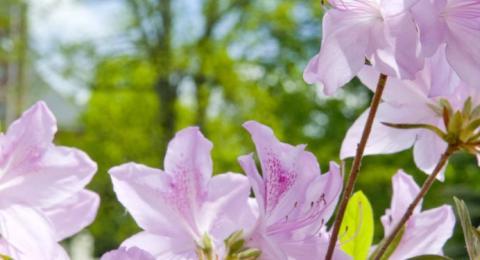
point(352, 5)
point(321, 200)
point(431, 24)
point(394, 49)
point(162, 247)
point(28, 234)
point(427, 152)
point(57, 175)
point(188, 156)
point(426, 233)
point(383, 139)
point(268, 245)
point(342, 53)
point(285, 169)
point(463, 51)
point(144, 192)
point(248, 164)
point(286, 214)
point(73, 214)
point(312, 247)
point(443, 79)
point(133, 253)
point(405, 189)
point(226, 209)
point(327, 188)
point(397, 92)
point(28, 137)
point(395, 7)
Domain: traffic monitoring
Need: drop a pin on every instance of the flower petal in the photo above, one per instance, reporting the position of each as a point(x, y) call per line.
point(133, 253)
point(286, 169)
point(226, 209)
point(248, 164)
point(427, 152)
point(326, 189)
point(432, 27)
point(27, 137)
point(188, 153)
point(60, 173)
point(395, 7)
point(162, 247)
point(426, 233)
point(384, 139)
point(394, 49)
point(405, 189)
point(463, 50)
point(343, 50)
point(142, 190)
point(74, 214)
point(312, 247)
point(29, 235)
point(397, 92)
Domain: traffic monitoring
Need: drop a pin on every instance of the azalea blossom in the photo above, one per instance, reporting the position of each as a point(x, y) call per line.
point(42, 188)
point(456, 23)
point(294, 199)
point(426, 232)
point(412, 102)
point(181, 207)
point(133, 253)
point(382, 31)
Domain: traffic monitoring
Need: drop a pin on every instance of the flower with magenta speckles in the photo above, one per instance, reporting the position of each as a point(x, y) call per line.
point(294, 199)
point(183, 210)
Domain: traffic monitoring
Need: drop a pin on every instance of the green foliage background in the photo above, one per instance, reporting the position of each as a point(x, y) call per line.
point(218, 79)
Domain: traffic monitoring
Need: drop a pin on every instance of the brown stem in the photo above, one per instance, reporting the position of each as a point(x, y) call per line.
point(425, 188)
point(347, 192)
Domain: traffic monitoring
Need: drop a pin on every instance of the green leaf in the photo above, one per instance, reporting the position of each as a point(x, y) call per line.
point(467, 107)
point(472, 238)
point(455, 124)
point(357, 227)
point(430, 257)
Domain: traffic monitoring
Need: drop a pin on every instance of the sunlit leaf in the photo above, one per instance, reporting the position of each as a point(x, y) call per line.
point(357, 227)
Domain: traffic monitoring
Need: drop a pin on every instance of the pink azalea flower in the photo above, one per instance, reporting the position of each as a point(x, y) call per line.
point(133, 253)
point(411, 102)
point(180, 205)
point(427, 231)
point(42, 188)
point(456, 23)
point(382, 31)
point(294, 200)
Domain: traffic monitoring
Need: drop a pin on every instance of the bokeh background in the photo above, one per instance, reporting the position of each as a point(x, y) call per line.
point(122, 76)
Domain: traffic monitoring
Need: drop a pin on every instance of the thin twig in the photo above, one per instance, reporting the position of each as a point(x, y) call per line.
point(347, 193)
point(425, 188)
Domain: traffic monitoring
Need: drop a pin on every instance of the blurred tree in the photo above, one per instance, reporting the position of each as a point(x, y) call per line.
point(13, 58)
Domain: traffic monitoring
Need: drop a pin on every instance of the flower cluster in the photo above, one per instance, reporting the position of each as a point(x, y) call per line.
point(215, 217)
point(185, 212)
point(394, 37)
